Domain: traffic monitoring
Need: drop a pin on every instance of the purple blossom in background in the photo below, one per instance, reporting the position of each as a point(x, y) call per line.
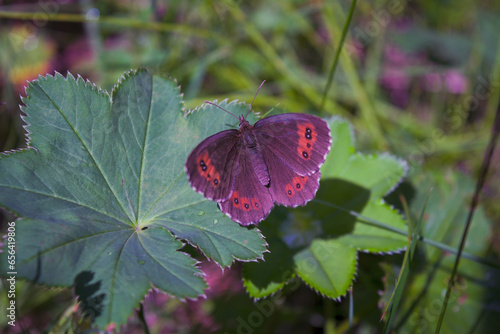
point(221, 282)
point(396, 78)
point(455, 82)
point(432, 82)
point(397, 83)
point(394, 56)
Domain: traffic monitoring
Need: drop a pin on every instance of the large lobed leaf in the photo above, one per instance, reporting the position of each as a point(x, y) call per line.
point(321, 240)
point(104, 198)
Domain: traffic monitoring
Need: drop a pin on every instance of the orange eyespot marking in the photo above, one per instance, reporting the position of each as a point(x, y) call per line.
point(210, 172)
point(304, 153)
point(245, 204)
point(305, 143)
point(204, 165)
point(207, 170)
point(308, 132)
point(235, 199)
point(304, 179)
point(298, 183)
point(307, 137)
point(216, 180)
point(201, 163)
point(289, 190)
point(255, 203)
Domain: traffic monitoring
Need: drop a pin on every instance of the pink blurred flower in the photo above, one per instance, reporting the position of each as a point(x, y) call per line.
point(455, 82)
point(397, 83)
point(432, 82)
point(394, 56)
point(221, 282)
point(394, 79)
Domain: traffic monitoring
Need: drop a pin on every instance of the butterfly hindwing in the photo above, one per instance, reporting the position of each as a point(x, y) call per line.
point(300, 141)
point(212, 165)
point(287, 187)
point(250, 202)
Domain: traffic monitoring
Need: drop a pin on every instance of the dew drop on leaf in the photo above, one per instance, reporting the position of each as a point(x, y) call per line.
point(216, 221)
point(201, 213)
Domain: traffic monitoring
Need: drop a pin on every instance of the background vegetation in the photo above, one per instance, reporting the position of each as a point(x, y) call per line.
point(418, 79)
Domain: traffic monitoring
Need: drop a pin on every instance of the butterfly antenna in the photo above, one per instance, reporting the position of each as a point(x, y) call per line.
point(257, 92)
point(230, 113)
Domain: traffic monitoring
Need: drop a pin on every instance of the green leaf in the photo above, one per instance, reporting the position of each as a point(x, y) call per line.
point(327, 266)
point(264, 278)
point(104, 196)
point(342, 147)
point(348, 215)
point(351, 193)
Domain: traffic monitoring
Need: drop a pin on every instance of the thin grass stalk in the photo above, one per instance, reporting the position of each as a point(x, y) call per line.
point(483, 172)
point(367, 107)
point(413, 238)
point(337, 55)
point(495, 133)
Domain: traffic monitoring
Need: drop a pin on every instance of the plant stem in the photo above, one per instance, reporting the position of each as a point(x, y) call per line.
point(372, 222)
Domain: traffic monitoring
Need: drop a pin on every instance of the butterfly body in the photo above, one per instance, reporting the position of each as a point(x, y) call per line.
point(248, 170)
point(254, 152)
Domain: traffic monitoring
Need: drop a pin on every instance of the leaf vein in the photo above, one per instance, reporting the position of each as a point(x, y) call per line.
point(89, 152)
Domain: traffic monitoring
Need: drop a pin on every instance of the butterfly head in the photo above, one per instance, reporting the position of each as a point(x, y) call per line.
point(241, 118)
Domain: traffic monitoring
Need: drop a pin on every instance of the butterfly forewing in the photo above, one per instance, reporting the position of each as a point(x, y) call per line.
point(300, 141)
point(212, 165)
point(250, 201)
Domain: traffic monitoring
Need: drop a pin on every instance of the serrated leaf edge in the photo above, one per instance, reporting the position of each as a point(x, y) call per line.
point(352, 278)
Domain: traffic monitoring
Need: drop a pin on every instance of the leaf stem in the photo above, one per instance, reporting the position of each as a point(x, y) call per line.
point(372, 222)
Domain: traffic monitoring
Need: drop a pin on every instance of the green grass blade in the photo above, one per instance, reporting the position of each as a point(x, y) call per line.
point(337, 55)
point(405, 269)
point(495, 133)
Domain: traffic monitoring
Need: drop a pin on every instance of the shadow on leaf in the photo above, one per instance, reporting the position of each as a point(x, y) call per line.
point(91, 303)
point(333, 202)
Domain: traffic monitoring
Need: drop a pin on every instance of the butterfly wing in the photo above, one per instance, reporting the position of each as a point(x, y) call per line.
point(212, 165)
point(300, 141)
point(250, 201)
point(287, 187)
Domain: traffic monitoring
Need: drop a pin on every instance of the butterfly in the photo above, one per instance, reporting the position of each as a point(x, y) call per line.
point(248, 170)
